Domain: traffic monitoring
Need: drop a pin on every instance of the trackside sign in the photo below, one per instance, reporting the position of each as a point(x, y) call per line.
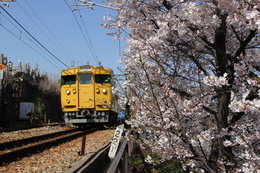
point(115, 141)
point(2, 67)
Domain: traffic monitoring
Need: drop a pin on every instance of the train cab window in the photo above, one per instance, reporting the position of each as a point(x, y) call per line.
point(85, 79)
point(71, 79)
point(101, 78)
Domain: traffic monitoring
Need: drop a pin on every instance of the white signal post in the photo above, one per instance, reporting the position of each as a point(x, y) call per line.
point(115, 141)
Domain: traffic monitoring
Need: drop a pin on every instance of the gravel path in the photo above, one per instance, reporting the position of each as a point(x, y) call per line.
point(60, 158)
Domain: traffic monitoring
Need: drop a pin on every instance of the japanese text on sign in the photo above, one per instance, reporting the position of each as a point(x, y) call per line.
point(115, 141)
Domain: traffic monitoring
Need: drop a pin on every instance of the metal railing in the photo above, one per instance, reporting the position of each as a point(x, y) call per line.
point(122, 161)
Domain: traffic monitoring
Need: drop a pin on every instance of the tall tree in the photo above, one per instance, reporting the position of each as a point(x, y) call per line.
point(194, 68)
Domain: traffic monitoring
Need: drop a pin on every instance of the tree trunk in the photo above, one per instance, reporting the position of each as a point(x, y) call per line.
point(219, 151)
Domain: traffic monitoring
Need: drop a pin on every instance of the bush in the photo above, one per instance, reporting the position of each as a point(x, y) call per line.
point(168, 166)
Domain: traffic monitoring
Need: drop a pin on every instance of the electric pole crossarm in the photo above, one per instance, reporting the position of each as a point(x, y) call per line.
point(91, 5)
point(4, 2)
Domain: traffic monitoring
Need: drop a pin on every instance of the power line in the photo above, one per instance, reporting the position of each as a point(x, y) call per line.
point(33, 37)
point(48, 31)
point(28, 45)
point(90, 5)
point(88, 36)
point(20, 38)
point(38, 26)
point(95, 58)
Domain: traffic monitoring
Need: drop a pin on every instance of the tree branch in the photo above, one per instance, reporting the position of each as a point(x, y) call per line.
point(244, 44)
point(209, 110)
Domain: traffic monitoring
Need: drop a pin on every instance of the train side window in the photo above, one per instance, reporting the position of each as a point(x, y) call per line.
point(101, 78)
point(70, 79)
point(85, 79)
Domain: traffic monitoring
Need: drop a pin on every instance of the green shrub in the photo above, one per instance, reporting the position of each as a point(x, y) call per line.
point(139, 164)
point(169, 166)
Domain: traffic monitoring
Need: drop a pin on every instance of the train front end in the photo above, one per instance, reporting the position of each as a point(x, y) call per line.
point(86, 95)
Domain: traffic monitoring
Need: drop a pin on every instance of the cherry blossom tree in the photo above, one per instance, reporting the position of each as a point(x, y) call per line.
point(193, 67)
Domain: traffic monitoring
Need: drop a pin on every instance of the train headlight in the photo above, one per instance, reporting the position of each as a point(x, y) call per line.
point(67, 92)
point(104, 91)
point(68, 101)
point(104, 100)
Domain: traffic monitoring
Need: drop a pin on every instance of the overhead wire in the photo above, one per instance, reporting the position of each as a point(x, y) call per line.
point(39, 27)
point(87, 33)
point(28, 44)
point(92, 51)
point(20, 38)
point(48, 31)
point(33, 37)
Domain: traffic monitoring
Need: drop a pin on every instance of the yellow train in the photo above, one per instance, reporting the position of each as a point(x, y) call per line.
point(87, 95)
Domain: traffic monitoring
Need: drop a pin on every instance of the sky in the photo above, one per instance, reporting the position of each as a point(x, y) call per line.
point(47, 32)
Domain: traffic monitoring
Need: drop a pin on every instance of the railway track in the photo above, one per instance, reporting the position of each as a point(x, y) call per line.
point(29, 146)
point(10, 129)
point(25, 141)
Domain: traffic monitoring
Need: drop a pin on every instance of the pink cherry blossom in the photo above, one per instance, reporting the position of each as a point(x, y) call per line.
point(193, 71)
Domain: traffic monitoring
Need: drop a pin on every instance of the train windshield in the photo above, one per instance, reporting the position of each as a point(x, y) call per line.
point(101, 78)
point(71, 79)
point(85, 79)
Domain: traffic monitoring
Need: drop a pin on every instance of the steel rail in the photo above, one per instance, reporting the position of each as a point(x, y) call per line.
point(39, 147)
point(25, 141)
point(10, 129)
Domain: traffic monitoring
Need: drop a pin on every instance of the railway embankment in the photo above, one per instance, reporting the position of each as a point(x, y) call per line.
point(20, 87)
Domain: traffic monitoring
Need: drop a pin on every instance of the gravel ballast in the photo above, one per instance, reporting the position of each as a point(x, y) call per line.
point(57, 159)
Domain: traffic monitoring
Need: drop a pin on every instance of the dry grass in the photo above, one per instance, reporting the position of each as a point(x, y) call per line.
point(49, 85)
